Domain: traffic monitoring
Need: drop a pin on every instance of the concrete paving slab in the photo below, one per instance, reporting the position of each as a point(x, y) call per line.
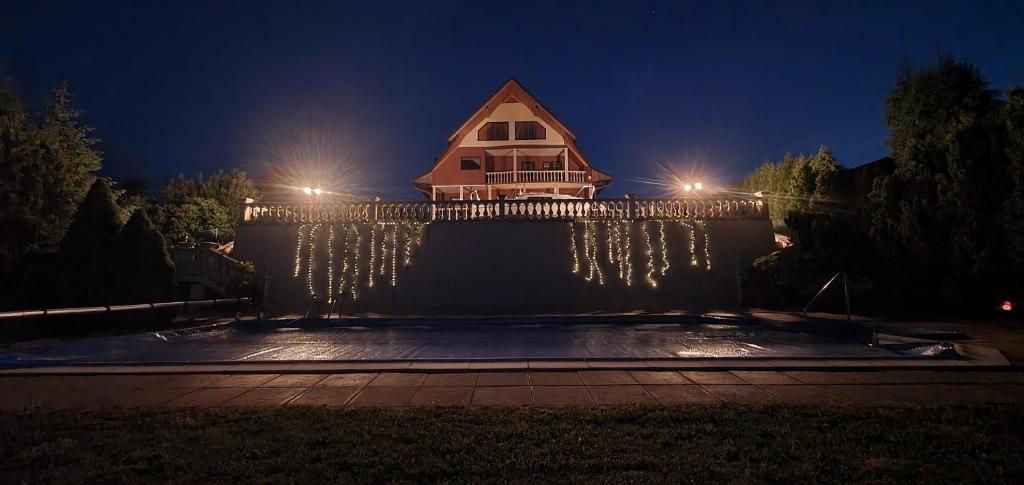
point(207, 397)
point(443, 396)
point(764, 377)
point(459, 379)
point(384, 396)
point(324, 396)
point(503, 379)
point(503, 396)
point(674, 394)
point(398, 379)
point(617, 395)
point(555, 378)
point(557, 396)
point(440, 365)
point(712, 377)
point(266, 396)
point(295, 380)
point(347, 380)
point(606, 377)
point(742, 393)
point(659, 377)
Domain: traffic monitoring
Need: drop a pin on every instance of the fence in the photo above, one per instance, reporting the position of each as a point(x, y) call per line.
point(505, 210)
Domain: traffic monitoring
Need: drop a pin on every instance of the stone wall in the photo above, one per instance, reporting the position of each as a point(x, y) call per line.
point(511, 267)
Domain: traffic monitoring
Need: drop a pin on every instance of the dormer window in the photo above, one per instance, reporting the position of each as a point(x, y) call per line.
point(530, 130)
point(496, 130)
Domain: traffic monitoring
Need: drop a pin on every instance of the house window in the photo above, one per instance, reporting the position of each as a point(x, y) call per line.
point(528, 166)
point(470, 164)
point(556, 165)
point(493, 131)
point(530, 130)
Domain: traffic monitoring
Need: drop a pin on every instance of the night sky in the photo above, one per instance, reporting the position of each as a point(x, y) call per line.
point(188, 87)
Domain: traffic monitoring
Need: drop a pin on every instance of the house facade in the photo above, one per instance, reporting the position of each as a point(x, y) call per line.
point(511, 147)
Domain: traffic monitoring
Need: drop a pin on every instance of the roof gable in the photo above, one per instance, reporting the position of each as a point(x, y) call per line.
point(510, 92)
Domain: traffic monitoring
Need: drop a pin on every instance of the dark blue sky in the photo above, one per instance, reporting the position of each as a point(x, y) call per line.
point(184, 87)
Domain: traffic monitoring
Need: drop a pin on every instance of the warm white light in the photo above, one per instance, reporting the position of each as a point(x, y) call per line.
point(698, 186)
point(687, 187)
point(307, 190)
point(317, 191)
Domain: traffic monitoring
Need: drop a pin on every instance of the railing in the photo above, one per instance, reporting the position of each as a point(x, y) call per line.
point(203, 265)
point(505, 210)
point(536, 176)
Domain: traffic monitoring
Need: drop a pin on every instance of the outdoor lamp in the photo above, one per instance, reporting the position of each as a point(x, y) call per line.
point(307, 190)
point(698, 186)
point(317, 191)
point(687, 187)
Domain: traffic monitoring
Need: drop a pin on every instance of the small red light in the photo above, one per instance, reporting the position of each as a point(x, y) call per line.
point(1007, 306)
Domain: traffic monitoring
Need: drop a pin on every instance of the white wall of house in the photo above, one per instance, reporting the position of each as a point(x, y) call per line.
point(511, 112)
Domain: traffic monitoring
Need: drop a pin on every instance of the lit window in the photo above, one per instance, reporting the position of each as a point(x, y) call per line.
point(528, 166)
point(556, 165)
point(470, 164)
point(530, 130)
point(493, 131)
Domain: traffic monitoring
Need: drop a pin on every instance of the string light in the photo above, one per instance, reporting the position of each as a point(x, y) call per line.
point(407, 259)
point(394, 253)
point(693, 245)
point(354, 285)
point(707, 246)
point(373, 254)
point(383, 248)
point(618, 250)
point(608, 237)
point(586, 251)
point(346, 231)
point(649, 252)
point(593, 251)
point(330, 264)
point(664, 248)
point(572, 244)
point(309, 262)
point(628, 254)
point(298, 251)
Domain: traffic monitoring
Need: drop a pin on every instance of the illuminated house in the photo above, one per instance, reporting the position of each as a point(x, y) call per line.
point(511, 147)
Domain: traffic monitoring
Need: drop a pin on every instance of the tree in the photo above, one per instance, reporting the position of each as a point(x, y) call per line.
point(795, 183)
point(934, 214)
point(87, 252)
point(148, 274)
point(196, 219)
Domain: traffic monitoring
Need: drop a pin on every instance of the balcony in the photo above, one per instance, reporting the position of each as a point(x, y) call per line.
point(531, 176)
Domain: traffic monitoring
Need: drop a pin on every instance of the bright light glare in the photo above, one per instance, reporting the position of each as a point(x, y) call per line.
point(687, 187)
point(317, 191)
point(307, 190)
point(698, 186)
point(1007, 306)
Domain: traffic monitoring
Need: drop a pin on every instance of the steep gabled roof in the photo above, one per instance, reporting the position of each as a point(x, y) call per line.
point(509, 90)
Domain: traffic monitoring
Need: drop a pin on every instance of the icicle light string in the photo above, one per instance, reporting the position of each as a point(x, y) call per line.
point(649, 253)
point(408, 233)
point(383, 248)
point(346, 232)
point(373, 254)
point(595, 252)
point(394, 254)
point(586, 251)
point(693, 244)
point(707, 246)
point(298, 250)
point(354, 285)
point(629, 253)
point(664, 248)
point(330, 264)
point(309, 262)
point(608, 238)
point(572, 244)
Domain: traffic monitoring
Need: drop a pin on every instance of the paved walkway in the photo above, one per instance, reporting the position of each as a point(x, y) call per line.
point(516, 388)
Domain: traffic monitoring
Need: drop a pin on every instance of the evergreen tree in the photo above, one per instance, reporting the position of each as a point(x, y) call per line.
point(147, 271)
point(87, 252)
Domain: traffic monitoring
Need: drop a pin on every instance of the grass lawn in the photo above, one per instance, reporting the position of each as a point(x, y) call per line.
point(723, 443)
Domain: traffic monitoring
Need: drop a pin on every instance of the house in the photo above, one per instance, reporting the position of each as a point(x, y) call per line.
point(511, 147)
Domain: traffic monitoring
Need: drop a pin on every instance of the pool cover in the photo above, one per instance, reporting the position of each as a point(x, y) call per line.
point(284, 340)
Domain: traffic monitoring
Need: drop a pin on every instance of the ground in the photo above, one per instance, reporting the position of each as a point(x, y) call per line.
point(717, 443)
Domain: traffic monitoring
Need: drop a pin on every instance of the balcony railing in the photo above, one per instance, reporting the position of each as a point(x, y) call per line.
point(505, 210)
point(525, 176)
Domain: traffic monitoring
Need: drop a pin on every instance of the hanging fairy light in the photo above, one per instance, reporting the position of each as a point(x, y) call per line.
point(619, 251)
point(707, 246)
point(608, 238)
point(346, 232)
point(628, 254)
point(664, 248)
point(309, 262)
point(373, 254)
point(298, 251)
point(586, 251)
point(594, 253)
point(408, 233)
point(693, 244)
point(394, 253)
point(383, 248)
point(354, 285)
point(572, 245)
point(649, 253)
point(330, 264)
